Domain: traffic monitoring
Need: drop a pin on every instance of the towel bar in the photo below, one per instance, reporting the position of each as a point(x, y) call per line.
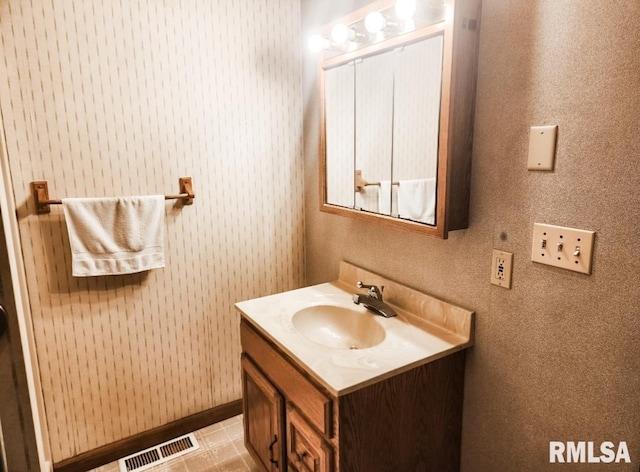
point(360, 183)
point(40, 190)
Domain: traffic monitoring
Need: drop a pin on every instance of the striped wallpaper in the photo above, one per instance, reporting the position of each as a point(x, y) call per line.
point(122, 98)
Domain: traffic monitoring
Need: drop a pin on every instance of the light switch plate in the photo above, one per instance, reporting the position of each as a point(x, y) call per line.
point(542, 147)
point(567, 248)
point(501, 268)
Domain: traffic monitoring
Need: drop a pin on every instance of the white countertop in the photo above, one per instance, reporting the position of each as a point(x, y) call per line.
point(342, 371)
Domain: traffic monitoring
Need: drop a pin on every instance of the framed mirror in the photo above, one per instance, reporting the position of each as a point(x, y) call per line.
point(397, 114)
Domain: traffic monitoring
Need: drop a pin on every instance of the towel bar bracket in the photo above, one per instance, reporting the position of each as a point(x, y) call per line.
point(186, 187)
point(40, 191)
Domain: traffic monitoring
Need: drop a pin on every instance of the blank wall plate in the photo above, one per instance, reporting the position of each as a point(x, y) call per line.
point(501, 268)
point(567, 248)
point(542, 147)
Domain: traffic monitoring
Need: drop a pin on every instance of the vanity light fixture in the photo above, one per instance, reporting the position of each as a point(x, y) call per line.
point(396, 19)
point(375, 22)
point(342, 33)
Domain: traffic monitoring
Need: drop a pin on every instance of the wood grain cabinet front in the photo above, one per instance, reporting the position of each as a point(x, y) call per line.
point(410, 421)
point(307, 451)
point(263, 409)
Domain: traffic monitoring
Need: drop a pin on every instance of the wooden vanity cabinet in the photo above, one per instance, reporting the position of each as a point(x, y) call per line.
point(410, 421)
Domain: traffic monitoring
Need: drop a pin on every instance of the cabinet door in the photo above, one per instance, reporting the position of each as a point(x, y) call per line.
point(263, 418)
point(307, 451)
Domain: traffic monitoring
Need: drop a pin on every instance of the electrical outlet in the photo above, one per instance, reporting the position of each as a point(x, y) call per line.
point(567, 248)
point(501, 268)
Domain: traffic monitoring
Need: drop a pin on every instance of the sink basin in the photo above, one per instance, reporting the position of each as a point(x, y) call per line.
point(338, 327)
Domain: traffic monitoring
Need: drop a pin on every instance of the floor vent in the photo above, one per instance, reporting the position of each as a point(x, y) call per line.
point(159, 454)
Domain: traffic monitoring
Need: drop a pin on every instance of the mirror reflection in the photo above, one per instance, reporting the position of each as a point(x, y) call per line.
point(339, 103)
point(374, 131)
point(382, 115)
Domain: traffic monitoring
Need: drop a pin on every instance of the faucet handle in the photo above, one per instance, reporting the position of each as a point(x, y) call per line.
point(360, 284)
point(374, 291)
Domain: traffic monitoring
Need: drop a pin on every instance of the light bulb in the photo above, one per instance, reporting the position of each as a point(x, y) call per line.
point(340, 33)
point(374, 22)
point(405, 9)
point(409, 25)
point(317, 43)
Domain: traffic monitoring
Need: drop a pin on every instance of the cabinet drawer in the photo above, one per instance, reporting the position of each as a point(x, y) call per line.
point(288, 379)
point(307, 451)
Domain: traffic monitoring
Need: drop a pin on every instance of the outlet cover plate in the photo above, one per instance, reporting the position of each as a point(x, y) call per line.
point(501, 268)
point(567, 248)
point(542, 147)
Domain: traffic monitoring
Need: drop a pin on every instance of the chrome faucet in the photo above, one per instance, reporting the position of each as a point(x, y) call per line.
point(373, 300)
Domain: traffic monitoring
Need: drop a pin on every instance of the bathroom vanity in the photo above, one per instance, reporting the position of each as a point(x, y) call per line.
point(327, 392)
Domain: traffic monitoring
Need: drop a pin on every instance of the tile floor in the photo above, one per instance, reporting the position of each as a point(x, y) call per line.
point(221, 450)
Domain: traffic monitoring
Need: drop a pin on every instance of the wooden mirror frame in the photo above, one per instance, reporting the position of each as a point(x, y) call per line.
point(460, 29)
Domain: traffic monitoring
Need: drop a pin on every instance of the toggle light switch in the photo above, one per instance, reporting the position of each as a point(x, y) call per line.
point(567, 248)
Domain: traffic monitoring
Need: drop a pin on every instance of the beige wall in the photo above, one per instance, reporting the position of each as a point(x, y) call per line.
point(122, 98)
point(556, 357)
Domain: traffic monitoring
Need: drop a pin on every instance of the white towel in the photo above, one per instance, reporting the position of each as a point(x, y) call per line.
point(417, 200)
point(394, 200)
point(115, 235)
point(367, 199)
point(384, 197)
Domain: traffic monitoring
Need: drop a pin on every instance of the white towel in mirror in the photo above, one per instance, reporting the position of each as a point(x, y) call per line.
point(115, 235)
point(417, 200)
point(384, 197)
point(367, 198)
